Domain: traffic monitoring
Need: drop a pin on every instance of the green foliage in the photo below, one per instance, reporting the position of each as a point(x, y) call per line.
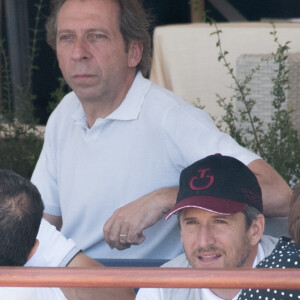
point(20, 140)
point(20, 152)
point(58, 94)
point(279, 144)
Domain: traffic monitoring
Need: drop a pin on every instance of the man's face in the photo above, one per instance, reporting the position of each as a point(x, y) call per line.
point(211, 240)
point(91, 51)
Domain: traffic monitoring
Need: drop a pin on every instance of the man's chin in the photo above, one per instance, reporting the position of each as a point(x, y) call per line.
point(213, 263)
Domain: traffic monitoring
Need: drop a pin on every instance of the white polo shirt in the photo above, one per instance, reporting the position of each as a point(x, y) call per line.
point(84, 174)
point(194, 294)
point(54, 250)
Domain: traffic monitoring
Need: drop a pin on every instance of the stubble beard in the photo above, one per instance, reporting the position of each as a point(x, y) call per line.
point(241, 257)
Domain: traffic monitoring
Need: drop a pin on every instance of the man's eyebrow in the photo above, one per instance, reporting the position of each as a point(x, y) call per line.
point(92, 29)
point(97, 29)
point(222, 216)
point(64, 31)
point(189, 218)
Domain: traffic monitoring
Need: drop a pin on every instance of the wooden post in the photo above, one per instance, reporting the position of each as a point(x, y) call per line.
point(197, 10)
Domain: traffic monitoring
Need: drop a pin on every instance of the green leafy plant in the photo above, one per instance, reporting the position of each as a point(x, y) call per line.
point(20, 139)
point(58, 94)
point(279, 143)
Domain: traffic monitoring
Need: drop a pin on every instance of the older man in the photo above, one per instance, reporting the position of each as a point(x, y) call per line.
point(115, 146)
point(219, 208)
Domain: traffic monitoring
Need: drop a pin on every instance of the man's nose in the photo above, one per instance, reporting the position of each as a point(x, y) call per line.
point(205, 236)
point(80, 50)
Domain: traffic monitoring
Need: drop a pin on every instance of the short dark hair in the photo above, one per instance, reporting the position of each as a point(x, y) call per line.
point(249, 212)
point(21, 210)
point(134, 26)
point(294, 215)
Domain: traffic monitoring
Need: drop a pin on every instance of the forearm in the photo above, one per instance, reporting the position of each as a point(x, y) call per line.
point(165, 198)
point(54, 220)
point(82, 260)
point(275, 191)
point(125, 227)
point(98, 293)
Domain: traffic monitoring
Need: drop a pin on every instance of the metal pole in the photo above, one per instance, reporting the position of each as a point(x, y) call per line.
point(16, 13)
point(151, 277)
point(1, 103)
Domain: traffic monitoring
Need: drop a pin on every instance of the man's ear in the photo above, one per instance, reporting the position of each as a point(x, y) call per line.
point(135, 53)
point(256, 229)
point(33, 249)
point(179, 225)
point(181, 237)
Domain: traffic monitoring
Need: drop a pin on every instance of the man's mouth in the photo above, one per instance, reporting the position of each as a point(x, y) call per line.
point(208, 258)
point(83, 79)
point(79, 76)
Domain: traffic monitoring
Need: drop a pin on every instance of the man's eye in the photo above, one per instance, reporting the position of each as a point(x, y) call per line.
point(191, 222)
point(65, 37)
point(96, 36)
point(220, 221)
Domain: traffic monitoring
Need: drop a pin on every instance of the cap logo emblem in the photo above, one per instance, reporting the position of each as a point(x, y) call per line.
point(251, 196)
point(202, 183)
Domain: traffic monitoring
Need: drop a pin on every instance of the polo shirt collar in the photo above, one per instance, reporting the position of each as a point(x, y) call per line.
point(78, 115)
point(130, 106)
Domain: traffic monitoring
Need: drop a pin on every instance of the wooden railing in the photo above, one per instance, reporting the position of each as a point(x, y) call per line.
point(150, 277)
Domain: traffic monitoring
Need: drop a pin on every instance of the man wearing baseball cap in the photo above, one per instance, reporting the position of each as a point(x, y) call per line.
point(220, 215)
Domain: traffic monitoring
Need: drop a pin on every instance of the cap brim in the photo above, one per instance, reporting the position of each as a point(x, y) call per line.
point(212, 204)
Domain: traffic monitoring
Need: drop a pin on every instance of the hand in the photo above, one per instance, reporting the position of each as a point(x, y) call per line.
point(125, 227)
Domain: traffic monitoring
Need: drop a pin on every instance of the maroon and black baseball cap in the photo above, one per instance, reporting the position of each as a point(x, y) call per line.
point(220, 184)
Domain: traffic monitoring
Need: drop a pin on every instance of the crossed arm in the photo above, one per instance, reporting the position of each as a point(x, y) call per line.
point(275, 191)
point(138, 215)
point(83, 261)
point(132, 219)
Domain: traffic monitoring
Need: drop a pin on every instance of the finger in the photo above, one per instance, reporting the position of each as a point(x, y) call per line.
point(123, 246)
point(106, 231)
point(111, 231)
point(123, 238)
point(122, 243)
point(135, 238)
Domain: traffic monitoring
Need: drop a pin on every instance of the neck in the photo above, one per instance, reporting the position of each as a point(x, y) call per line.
point(93, 111)
point(228, 294)
point(104, 106)
point(34, 248)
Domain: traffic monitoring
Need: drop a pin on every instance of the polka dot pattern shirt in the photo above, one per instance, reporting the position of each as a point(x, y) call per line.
point(285, 255)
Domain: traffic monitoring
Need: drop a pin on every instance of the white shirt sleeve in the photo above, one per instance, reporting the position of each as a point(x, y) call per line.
point(54, 249)
point(44, 177)
point(31, 293)
point(15, 293)
point(148, 294)
point(196, 136)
